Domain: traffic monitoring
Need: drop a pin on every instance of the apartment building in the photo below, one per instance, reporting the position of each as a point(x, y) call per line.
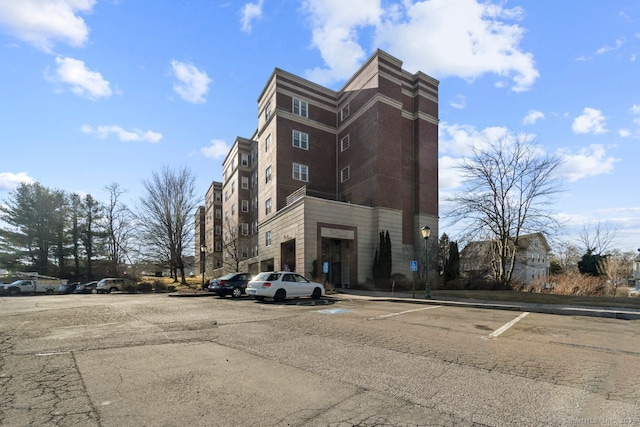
point(328, 170)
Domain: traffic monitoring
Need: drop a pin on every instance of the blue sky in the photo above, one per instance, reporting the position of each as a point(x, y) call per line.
point(103, 91)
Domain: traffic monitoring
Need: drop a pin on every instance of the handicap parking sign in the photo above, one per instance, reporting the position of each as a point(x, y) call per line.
point(413, 265)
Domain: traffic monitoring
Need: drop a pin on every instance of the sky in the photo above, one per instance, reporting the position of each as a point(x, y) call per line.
point(95, 92)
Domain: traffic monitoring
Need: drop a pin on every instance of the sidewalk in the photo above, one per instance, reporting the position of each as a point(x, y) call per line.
point(407, 297)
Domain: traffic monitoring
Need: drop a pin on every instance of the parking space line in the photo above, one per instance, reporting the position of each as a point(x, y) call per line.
point(384, 316)
point(506, 326)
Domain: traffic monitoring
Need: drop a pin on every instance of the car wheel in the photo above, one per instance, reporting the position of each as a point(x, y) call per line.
point(13, 292)
point(280, 295)
point(49, 291)
point(317, 293)
point(236, 293)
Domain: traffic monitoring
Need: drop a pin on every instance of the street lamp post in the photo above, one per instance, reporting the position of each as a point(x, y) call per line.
point(426, 232)
point(203, 252)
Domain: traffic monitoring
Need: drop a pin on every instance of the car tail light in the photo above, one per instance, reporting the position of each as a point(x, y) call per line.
point(222, 282)
point(266, 285)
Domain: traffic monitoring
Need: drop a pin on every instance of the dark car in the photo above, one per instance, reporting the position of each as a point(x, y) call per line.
point(233, 284)
point(86, 288)
point(68, 288)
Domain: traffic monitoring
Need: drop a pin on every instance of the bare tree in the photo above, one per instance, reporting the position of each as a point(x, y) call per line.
point(119, 227)
point(598, 238)
point(567, 256)
point(508, 185)
point(166, 216)
point(236, 245)
point(617, 267)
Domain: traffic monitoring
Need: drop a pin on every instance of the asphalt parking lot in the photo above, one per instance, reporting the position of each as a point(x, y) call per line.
point(154, 360)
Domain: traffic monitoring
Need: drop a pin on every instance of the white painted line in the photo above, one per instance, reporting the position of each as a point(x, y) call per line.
point(55, 353)
point(499, 331)
point(384, 316)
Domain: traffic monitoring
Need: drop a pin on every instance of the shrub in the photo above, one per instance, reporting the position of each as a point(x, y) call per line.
point(145, 287)
point(160, 286)
point(568, 283)
point(171, 288)
point(129, 286)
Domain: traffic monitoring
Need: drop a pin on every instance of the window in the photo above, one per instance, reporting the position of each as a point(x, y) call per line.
point(245, 206)
point(218, 196)
point(344, 174)
point(267, 174)
point(218, 230)
point(218, 245)
point(344, 113)
point(267, 143)
point(245, 229)
point(245, 182)
point(300, 172)
point(226, 216)
point(300, 107)
point(254, 227)
point(267, 238)
point(267, 111)
point(244, 159)
point(233, 187)
point(218, 213)
point(267, 207)
point(226, 196)
point(344, 142)
point(300, 140)
point(233, 209)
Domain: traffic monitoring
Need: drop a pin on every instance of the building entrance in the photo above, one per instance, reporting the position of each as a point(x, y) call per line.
point(288, 256)
point(335, 254)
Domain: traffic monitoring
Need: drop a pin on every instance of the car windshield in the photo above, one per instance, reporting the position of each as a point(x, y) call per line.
point(227, 276)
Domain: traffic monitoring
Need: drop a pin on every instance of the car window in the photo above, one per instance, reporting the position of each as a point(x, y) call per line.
point(274, 276)
point(301, 279)
point(288, 278)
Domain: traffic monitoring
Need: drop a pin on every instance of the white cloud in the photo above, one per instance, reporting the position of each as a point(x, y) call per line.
point(587, 162)
point(103, 132)
point(334, 32)
point(591, 121)
point(635, 111)
point(83, 82)
point(42, 23)
point(460, 38)
point(459, 102)
point(459, 140)
point(217, 149)
point(624, 133)
point(250, 12)
point(192, 84)
point(448, 173)
point(604, 49)
point(532, 117)
point(9, 181)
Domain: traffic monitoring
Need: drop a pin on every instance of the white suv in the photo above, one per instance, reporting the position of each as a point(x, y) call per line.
point(108, 285)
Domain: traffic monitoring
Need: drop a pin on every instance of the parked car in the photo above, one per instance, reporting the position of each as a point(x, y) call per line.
point(67, 288)
point(110, 284)
point(86, 288)
point(233, 284)
point(280, 285)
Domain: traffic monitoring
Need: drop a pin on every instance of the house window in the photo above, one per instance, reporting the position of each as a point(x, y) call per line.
point(233, 187)
point(300, 107)
point(254, 227)
point(244, 159)
point(344, 142)
point(218, 196)
point(267, 174)
point(267, 143)
point(233, 209)
point(218, 230)
point(300, 140)
point(245, 182)
point(245, 229)
point(218, 213)
point(226, 196)
point(344, 113)
point(267, 238)
point(267, 111)
point(300, 172)
point(344, 174)
point(267, 207)
point(245, 206)
point(218, 245)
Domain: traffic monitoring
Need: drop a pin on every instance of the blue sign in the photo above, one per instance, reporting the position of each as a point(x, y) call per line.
point(413, 265)
point(325, 267)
